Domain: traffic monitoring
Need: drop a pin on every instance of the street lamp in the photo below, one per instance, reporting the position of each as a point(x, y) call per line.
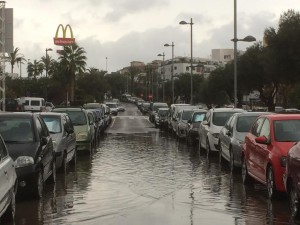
point(172, 69)
point(235, 40)
point(191, 23)
point(46, 65)
point(163, 71)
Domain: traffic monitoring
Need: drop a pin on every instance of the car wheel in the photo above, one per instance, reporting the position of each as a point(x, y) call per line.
point(74, 159)
point(207, 147)
point(231, 162)
point(247, 180)
point(39, 187)
point(64, 163)
point(53, 175)
point(220, 153)
point(271, 187)
point(10, 212)
point(294, 201)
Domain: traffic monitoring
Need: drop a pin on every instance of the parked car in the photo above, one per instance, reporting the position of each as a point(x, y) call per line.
point(192, 135)
point(145, 107)
point(100, 111)
point(63, 137)
point(33, 104)
point(9, 184)
point(265, 150)
point(113, 107)
point(30, 145)
point(161, 118)
point(174, 109)
point(291, 179)
point(210, 128)
point(154, 106)
point(82, 126)
point(232, 135)
point(107, 116)
point(181, 122)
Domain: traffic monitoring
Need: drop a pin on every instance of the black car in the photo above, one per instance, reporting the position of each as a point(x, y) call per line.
point(30, 146)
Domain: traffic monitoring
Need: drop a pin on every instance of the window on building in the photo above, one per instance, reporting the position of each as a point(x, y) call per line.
point(227, 56)
point(187, 68)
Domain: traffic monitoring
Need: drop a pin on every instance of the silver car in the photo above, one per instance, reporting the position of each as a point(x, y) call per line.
point(8, 182)
point(63, 136)
point(232, 135)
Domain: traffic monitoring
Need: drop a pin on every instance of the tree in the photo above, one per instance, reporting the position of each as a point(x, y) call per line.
point(35, 69)
point(15, 57)
point(73, 61)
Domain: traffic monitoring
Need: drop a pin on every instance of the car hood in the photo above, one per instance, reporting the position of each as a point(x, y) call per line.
point(22, 149)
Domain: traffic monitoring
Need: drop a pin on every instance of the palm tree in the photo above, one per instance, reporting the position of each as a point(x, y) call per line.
point(15, 57)
point(47, 64)
point(73, 61)
point(35, 69)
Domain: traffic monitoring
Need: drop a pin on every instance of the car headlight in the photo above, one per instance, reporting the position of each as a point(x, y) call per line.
point(82, 136)
point(283, 161)
point(215, 135)
point(22, 161)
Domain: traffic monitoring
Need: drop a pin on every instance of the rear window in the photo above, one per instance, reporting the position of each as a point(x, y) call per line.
point(78, 118)
point(287, 130)
point(53, 123)
point(244, 123)
point(199, 117)
point(220, 118)
point(35, 102)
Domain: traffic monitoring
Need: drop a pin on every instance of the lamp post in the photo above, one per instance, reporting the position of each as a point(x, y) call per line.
point(163, 72)
point(46, 65)
point(235, 40)
point(172, 69)
point(191, 23)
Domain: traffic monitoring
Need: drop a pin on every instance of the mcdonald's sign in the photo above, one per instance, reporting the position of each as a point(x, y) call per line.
point(64, 41)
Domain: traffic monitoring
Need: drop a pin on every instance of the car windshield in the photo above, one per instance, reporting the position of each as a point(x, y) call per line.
point(198, 117)
point(112, 105)
point(287, 130)
point(16, 129)
point(163, 112)
point(220, 118)
point(187, 115)
point(244, 123)
point(53, 123)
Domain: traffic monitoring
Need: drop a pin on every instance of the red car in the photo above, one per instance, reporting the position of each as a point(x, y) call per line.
point(265, 150)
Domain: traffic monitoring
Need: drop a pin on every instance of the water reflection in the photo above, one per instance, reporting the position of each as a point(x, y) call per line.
point(151, 178)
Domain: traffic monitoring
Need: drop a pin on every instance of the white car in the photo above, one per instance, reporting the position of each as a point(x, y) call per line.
point(211, 126)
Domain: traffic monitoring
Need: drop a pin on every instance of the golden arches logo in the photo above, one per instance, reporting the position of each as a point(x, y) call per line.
point(64, 41)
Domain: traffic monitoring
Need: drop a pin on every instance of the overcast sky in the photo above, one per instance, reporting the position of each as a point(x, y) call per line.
point(136, 30)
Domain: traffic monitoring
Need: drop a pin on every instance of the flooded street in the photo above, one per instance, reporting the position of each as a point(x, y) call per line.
point(141, 175)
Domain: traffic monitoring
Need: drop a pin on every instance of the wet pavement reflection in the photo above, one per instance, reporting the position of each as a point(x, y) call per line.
point(148, 177)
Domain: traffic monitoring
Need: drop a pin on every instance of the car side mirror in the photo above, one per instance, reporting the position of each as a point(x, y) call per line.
point(228, 132)
point(262, 140)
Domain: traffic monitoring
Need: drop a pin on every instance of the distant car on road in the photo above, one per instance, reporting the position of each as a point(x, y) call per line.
point(113, 107)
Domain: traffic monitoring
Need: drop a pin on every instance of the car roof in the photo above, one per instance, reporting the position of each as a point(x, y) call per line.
point(282, 116)
point(227, 110)
point(17, 114)
point(51, 113)
point(67, 109)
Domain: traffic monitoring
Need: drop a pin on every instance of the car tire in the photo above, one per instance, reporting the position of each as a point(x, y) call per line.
point(53, 175)
point(208, 151)
point(220, 153)
point(74, 159)
point(39, 186)
point(231, 161)
point(271, 186)
point(247, 179)
point(10, 212)
point(64, 164)
point(294, 201)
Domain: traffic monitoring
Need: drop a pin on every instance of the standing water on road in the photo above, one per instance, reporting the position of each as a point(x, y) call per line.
point(140, 175)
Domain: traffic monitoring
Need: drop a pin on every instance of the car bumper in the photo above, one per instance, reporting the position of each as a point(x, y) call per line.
point(27, 176)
